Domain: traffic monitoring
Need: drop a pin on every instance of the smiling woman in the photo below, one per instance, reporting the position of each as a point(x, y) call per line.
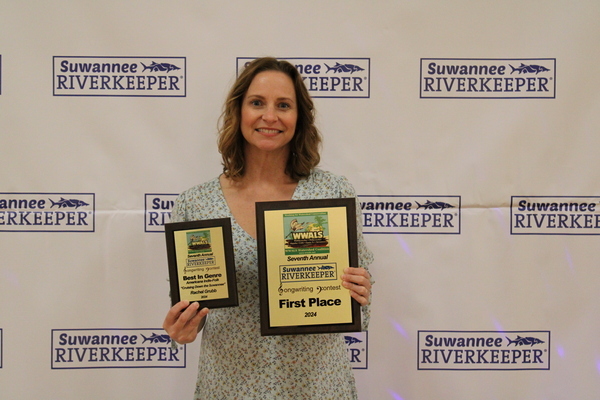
point(305, 143)
point(269, 114)
point(270, 149)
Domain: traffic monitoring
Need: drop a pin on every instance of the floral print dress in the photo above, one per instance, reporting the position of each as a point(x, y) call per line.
point(236, 362)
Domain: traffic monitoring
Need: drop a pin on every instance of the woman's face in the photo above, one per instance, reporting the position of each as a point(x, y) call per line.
point(269, 112)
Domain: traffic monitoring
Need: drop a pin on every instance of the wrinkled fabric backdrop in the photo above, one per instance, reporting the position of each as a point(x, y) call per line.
point(469, 129)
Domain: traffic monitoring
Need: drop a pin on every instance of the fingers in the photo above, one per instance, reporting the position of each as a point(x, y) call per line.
point(197, 319)
point(175, 311)
point(358, 281)
point(183, 321)
point(357, 276)
point(180, 312)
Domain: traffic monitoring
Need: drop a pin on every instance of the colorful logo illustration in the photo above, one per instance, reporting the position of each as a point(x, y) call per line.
point(198, 242)
point(306, 233)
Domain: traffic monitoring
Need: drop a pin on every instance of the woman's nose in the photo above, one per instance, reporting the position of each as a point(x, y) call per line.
point(270, 114)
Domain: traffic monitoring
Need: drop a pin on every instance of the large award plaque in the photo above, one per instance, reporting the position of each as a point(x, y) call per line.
point(303, 248)
point(201, 264)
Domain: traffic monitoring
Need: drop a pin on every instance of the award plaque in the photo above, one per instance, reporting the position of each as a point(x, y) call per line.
point(201, 264)
point(303, 248)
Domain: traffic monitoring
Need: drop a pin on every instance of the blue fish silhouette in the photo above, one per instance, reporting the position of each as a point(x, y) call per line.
point(164, 67)
point(522, 341)
point(68, 203)
point(351, 340)
point(529, 69)
point(154, 338)
point(438, 205)
point(344, 68)
point(326, 267)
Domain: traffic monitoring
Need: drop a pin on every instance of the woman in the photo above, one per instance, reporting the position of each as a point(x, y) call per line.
point(270, 148)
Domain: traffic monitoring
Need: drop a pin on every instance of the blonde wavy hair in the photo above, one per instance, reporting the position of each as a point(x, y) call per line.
point(304, 146)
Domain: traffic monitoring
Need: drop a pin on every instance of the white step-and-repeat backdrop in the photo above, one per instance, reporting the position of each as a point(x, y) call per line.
point(470, 130)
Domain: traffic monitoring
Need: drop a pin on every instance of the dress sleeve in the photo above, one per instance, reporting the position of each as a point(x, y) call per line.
point(178, 212)
point(365, 256)
point(177, 215)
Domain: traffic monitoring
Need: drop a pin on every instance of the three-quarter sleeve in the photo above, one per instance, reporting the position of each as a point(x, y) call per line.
point(365, 256)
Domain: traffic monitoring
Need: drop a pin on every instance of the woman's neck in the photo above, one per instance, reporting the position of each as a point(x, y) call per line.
point(264, 179)
point(266, 167)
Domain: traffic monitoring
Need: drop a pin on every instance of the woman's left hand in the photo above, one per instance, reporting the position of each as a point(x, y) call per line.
point(358, 281)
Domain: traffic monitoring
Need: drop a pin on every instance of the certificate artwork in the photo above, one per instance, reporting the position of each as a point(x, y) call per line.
point(304, 254)
point(201, 262)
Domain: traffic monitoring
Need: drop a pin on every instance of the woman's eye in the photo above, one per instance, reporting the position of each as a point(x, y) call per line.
point(284, 105)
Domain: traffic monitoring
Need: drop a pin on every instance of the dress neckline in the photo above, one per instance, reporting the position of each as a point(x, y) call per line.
point(233, 220)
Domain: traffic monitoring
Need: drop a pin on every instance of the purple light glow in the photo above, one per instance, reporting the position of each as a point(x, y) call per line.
point(501, 219)
point(11, 277)
point(569, 259)
point(404, 245)
point(395, 395)
point(399, 328)
point(499, 327)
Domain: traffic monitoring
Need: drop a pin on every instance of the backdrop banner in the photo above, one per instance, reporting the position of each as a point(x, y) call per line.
point(468, 129)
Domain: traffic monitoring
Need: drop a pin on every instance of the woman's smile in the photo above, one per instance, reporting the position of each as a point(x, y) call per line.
point(269, 112)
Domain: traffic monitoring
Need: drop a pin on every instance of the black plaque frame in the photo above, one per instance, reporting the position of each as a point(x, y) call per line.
point(292, 206)
point(225, 225)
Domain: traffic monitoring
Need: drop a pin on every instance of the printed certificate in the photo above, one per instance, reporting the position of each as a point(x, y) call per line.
point(201, 263)
point(303, 248)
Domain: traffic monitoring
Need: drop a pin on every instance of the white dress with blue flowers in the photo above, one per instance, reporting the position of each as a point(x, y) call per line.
point(236, 362)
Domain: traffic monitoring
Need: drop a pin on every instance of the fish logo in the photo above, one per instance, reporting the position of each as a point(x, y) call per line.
point(522, 341)
point(344, 68)
point(430, 205)
point(325, 267)
point(529, 69)
point(68, 203)
point(156, 67)
point(154, 338)
point(350, 340)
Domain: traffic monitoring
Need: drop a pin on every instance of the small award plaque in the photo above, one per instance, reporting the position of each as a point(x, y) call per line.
point(303, 248)
point(201, 264)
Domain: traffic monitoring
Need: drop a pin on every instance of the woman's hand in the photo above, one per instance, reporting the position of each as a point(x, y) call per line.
point(183, 324)
point(358, 280)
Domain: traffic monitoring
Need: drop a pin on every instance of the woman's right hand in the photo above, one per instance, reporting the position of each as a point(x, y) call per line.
point(183, 324)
